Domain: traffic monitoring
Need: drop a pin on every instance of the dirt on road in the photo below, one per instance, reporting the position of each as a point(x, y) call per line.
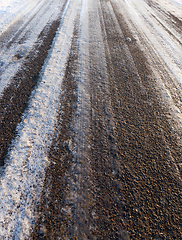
point(124, 183)
point(115, 158)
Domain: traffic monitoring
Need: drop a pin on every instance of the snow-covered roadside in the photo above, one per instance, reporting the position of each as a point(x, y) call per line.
point(21, 184)
point(20, 26)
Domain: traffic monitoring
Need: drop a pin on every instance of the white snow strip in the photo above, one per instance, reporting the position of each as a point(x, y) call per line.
point(32, 17)
point(165, 45)
point(21, 184)
point(161, 44)
point(173, 6)
point(12, 10)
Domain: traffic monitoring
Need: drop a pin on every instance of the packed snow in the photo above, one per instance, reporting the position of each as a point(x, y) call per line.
point(25, 20)
point(166, 44)
point(22, 180)
point(21, 183)
point(172, 6)
point(161, 42)
point(12, 10)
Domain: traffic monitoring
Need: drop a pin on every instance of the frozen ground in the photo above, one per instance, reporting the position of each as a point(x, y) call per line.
point(21, 24)
point(21, 184)
point(153, 27)
point(156, 32)
point(11, 10)
point(172, 6)
point(159, 36)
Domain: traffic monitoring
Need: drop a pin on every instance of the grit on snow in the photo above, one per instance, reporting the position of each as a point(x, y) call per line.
point(21, 183)
point(161, 43)
point(26, 19)
point(152, 27)
point(173, 6)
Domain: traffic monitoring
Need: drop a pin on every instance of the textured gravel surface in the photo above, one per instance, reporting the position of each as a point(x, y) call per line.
point(115, 157)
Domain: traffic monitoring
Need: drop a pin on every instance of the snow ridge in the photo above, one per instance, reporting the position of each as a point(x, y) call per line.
point(22, 182)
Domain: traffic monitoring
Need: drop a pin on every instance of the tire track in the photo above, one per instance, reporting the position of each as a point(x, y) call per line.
point(149, 80)
point(52, 220)
point(65, 210)
point(112, 172)
point(151, 192)
point(17, 94)
point(8, 40)
point(22, 180)
point(108, 208)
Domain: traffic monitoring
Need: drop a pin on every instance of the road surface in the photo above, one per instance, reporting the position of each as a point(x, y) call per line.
point(91, 119)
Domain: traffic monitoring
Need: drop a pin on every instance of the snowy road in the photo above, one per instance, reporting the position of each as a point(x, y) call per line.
point(90, 119)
